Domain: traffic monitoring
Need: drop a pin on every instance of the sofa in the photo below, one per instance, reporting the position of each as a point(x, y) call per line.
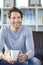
point(38, 43)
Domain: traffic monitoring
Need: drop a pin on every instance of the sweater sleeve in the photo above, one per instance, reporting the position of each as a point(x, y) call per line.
point(2, 39)
point(29, 44)
point(1, 42)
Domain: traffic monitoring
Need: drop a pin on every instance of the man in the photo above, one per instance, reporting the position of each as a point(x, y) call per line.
point(17, 37)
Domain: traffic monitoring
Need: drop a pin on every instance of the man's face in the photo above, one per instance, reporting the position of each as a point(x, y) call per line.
point(15, 20)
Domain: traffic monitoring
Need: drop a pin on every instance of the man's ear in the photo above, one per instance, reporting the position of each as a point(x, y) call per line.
point(8, 20)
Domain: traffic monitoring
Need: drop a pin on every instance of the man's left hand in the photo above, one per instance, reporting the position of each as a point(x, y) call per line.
point(22, 57)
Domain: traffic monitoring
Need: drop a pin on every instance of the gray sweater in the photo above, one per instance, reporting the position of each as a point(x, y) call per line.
point(21, 40)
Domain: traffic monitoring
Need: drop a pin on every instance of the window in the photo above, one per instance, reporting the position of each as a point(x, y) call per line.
point(1, 3)
point(20, 3)
point(42, 2)
point(8, 3)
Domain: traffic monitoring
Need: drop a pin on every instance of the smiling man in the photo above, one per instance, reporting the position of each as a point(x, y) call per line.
point(17, 37)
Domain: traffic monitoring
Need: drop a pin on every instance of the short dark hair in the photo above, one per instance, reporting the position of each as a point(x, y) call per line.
point(14, 9)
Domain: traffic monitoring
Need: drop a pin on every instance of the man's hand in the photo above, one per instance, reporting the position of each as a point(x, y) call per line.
point(7, 58)
point(22, 57)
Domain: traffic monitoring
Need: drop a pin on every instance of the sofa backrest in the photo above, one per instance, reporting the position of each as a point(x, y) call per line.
point(38, 42)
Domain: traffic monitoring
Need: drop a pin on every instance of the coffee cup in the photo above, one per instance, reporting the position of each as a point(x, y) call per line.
point(14, 54)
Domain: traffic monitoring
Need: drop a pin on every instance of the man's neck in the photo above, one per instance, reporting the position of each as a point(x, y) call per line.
point(15, 29)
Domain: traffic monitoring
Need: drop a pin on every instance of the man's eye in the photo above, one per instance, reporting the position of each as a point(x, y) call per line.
point(18, 17)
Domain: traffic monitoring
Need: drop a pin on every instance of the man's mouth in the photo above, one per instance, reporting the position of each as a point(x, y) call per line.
point(16, 23)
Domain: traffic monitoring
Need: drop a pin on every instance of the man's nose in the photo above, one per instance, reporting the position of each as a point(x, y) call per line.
point(16, 20)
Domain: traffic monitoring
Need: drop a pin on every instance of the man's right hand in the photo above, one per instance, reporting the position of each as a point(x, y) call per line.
point(7, 58)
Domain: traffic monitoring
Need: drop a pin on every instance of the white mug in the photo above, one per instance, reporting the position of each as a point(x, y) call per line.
point(14, 54)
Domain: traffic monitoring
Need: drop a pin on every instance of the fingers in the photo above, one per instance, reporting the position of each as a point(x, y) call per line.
point(20, 57)
point(12, 61)
point(21, 60)
point(20, 52)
